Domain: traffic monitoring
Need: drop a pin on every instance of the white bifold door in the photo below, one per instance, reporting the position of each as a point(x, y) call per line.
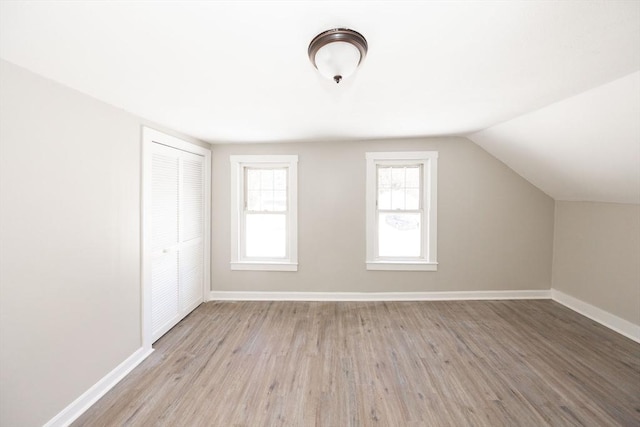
point(177, 241)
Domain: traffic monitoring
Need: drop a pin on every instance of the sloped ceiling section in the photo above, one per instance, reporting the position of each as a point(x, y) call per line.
point(584, 148)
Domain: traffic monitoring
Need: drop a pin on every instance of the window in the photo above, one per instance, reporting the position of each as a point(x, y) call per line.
point(401, 210)
point(264, 213)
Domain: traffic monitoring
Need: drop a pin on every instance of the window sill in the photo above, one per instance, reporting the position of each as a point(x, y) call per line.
point(402, 266)
point(264, 266)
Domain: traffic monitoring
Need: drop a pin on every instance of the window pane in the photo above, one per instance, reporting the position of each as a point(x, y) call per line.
point(384, 198)
point(412, 199)
point(280, 179)
point(266, 179)
point(253, 200)
point(266, 235)
point(413, 177)
point(399, 235)
point(279, 201)
point(384, 177)
point(397, 199)
point(397, 177)
point(267, 200)
point(253, 179)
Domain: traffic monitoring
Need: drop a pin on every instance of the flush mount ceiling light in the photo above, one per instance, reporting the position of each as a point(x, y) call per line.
point(337, 53)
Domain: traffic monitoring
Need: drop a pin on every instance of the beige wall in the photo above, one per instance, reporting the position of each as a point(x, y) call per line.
point(597, 255)
point(495, 230)
point(69, 244)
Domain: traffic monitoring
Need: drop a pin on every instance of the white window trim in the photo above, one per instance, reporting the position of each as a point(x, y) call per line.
point(238, 163)
point(429, 162)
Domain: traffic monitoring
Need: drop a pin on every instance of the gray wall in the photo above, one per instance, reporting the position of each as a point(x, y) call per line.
point(69, 244)
point(495, 230)
point(597, 255)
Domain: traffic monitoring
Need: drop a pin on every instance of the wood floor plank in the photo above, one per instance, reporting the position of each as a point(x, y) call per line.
point(447, 363)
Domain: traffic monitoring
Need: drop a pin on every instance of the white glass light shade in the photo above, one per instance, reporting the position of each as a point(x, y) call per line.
point(337, 59)
point(337, 53)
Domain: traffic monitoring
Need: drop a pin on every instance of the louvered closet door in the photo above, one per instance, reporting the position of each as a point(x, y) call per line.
point(177, 230)
point(191, 255)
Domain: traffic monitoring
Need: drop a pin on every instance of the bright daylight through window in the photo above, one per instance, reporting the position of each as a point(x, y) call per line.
point(264, 213)
point(401, 211)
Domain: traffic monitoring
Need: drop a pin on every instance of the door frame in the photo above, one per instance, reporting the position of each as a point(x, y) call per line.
point(151, 136)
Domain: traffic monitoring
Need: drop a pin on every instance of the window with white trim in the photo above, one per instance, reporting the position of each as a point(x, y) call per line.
point(401, 210)
point(264, 213)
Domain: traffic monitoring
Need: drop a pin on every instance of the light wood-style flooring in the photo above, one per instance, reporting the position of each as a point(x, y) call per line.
point(463, 363)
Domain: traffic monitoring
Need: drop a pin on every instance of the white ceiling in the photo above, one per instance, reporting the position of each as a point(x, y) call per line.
point(239, 72)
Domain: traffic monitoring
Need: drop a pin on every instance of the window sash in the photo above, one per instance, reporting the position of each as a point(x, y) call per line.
point(379, 165)
point(246, 237)
point(379, 236)
point(246, 189)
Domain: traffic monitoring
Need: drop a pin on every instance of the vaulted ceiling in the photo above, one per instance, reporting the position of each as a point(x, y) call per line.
point(508, 74)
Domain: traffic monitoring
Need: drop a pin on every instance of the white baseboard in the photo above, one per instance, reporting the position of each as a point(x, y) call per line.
point(91, 396)
point(611, 321)
point(377, 296)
